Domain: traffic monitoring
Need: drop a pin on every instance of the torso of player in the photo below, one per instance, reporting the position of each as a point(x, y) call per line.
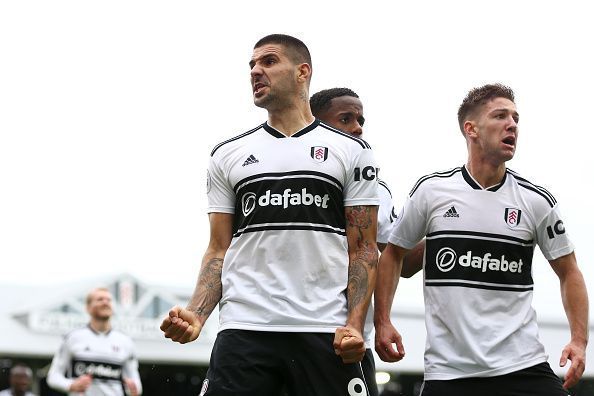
point(478, 273)
point(480, 238)
point(101, 355)
point(287, 266)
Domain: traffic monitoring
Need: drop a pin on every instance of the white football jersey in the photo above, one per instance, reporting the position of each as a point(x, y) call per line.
point(386, 213)
point(478, 269)
point(108, 357)
point(287, 266)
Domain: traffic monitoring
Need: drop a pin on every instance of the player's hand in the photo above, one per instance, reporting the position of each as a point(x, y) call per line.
point(181, 325)
point(385, 338)
point(81, 383)
point(577, 355)
point(349, 344)
point(131, 385)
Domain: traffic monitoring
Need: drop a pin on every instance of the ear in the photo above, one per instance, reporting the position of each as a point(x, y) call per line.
point(470, 130)
point(303, 72)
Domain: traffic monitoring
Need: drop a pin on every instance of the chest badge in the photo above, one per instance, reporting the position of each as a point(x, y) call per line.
point(512, 217)
point(319, 153)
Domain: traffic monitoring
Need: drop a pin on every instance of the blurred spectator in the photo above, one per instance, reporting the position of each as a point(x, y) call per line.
point(20, 380)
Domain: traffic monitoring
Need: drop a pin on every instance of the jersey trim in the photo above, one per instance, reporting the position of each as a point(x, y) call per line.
point(448, 173)
point(482, 235)
point(470, 180)
point(235, 138)
point(286, 175)
point(384, 185)
point(277, 134)
point(289, 226)
point(479, 285)
point(533, 187)
point(362, 142)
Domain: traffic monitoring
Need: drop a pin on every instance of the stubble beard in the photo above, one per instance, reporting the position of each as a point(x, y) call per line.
point(265, 101)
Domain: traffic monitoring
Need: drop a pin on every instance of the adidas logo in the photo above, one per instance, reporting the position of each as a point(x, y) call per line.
point(451, 213)
point(250, 160)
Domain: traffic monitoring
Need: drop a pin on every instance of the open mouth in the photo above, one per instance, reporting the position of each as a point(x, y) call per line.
point(510, 140)
point(258, 87)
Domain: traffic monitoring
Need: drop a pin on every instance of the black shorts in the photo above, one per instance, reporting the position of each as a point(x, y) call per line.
point(368, 365)
point(259, 363)
point(537, 380)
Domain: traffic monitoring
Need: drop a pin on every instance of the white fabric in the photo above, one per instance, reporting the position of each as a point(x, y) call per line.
point(477, 271)
point(108, 357)
point(287, 266)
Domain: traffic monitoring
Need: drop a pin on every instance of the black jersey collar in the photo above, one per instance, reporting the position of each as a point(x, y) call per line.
point(98, 332)
point(280, 135)
point(470, 180)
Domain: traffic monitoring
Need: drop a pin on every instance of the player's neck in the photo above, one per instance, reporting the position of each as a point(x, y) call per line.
point(485, 173)
point(100, 325)
point(291, 120)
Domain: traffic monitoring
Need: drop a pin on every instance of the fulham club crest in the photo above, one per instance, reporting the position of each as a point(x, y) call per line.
point(512, 217)
point(320, 154)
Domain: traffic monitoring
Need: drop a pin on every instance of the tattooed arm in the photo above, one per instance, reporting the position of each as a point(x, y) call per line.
point(361, 230)
point(184, 325)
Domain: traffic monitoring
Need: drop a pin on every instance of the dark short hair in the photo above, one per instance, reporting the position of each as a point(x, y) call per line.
point(320, 101)
point(477, 97)
point(296, 50)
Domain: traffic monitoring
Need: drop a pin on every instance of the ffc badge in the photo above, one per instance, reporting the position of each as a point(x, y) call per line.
point(319, 154)
point(512, 217)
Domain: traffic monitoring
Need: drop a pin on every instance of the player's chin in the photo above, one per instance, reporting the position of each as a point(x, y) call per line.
point(508, 154)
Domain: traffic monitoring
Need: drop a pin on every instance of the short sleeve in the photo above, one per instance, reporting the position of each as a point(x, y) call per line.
point(386, 214)
point(221, 197)
point(552, 237)
point(410, 226)
point(361, 184)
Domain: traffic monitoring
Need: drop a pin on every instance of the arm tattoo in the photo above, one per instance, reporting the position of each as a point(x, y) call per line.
point(360, 218)
point(358, 284)
point(209, 287)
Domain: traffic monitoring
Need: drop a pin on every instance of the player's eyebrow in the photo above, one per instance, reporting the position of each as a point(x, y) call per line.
point(261, 57)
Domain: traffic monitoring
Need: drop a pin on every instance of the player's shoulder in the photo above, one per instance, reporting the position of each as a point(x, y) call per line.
point(435, 177)
point(342, 137)
point(79, 332)
point(530, 190)
point(120, 335)
point(383, 188)
point(238, 139)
